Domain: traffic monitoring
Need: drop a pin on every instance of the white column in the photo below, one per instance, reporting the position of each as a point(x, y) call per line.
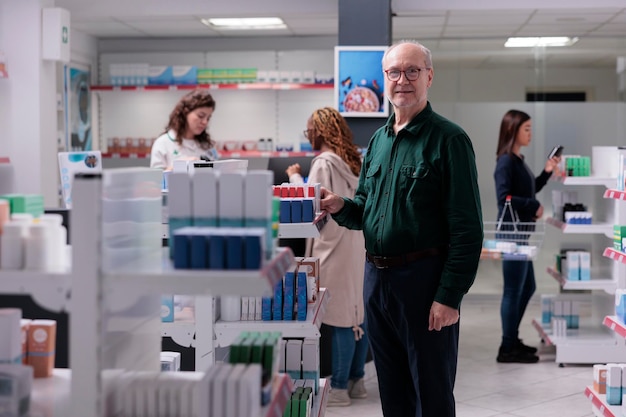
point(28, 101)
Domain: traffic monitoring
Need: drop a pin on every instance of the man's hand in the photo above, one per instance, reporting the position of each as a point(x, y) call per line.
point(442, 316)
point(330, 201)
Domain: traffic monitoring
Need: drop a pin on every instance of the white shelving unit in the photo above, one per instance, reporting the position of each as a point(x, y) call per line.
point(303, 230)
point(115, 310)
point(592, 343)
point(227, 331)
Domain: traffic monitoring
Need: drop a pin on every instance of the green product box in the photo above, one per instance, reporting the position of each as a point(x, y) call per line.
point(220, 75)
point(25, 203)
point(585, 166)
point(233, 75)
point(619, 234)
point(248, 75)
point(205, 75)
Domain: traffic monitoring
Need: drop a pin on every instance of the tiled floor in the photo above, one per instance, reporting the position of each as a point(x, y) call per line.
point(486, 388)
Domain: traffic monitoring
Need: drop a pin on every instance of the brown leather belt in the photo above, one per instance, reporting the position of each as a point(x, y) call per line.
point(383, 262)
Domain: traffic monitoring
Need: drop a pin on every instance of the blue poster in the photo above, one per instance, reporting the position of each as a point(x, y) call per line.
point(359, 81)
point(79, 111)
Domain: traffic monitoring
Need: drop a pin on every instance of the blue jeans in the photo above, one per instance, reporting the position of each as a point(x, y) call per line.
point(348, 356)
point(519, 287)
point(416, 368)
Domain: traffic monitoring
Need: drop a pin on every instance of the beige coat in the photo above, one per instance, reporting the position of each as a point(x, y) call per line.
point(341, 251)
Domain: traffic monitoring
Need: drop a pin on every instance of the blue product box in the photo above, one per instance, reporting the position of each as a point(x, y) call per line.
point(266, 308)
point(160, 75)
point(288, 296)
point(301, 293)
point(307, 210)
point(182, 254)
point(217, 252)
point(296, 211)
point(277, 307)
point(185, 74)
point(252, 252)
point(199, 251)
point(285, 210)
point(167, 308)
point(234, 252)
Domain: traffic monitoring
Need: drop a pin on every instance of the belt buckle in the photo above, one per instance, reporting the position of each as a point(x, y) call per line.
point(378, 259)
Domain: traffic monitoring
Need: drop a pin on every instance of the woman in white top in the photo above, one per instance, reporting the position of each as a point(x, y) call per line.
point(185, 135)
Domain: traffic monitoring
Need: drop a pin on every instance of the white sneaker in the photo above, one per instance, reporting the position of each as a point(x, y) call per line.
point(356, 388)
point(338, 398)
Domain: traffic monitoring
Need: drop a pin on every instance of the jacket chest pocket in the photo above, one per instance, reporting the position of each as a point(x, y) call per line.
point(418, 184)
point(372, 178)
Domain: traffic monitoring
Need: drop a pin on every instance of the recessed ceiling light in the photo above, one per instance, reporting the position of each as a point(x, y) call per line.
point(540, 41)
point(246, 23)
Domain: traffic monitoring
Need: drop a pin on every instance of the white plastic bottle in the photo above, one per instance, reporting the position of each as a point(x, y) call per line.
point(38, 247)
point(12, 245)
point(58, 239)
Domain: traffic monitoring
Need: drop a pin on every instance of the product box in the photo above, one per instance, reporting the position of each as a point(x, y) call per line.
point(11, 340)
point(613, 384)
point(160, 75)
point(599, 378)
point(16, 381)
point(293, 358)
point(184, 74)
point(310, 265)
point(619, 234)
point(41, 347)
point(310, 361)
point(167, 308)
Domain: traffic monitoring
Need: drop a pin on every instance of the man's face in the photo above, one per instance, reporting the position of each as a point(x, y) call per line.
point(404, 93)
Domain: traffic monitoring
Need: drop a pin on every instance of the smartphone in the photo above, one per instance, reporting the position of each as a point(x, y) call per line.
point(556, 151)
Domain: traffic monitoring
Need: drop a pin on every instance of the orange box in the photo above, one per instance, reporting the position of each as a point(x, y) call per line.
point(311, 265)
point(41, 344)
point(599, 378)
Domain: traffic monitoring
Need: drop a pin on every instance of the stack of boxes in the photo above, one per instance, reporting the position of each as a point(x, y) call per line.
point(561, 312)
point(299, 203)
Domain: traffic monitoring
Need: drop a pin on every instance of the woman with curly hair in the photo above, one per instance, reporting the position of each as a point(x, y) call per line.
point(185, 135)
point(341, 253)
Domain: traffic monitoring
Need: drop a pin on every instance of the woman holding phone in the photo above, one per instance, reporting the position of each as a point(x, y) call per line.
point(513, 177)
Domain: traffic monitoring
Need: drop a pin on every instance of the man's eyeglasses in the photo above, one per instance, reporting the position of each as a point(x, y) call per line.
point(411, 74)
point(307, 132)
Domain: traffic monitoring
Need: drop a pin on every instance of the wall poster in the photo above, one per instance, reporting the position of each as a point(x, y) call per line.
point(359, 81)
point(78, 108)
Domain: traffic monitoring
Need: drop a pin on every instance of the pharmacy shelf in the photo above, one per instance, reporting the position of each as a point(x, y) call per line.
point(227, 331)
point(182, 332)
point(303, 230)
point(591, 180)
point(607, 285)
point(596, 228)
point(321, 399)
point(615, 194)
point(167, 280)
point(281, 392)
point(599, 405)
point(50, 397)
point(234, 86)
point(613, 323)
point(588, 344)
point(614, 254)
point(49, 290)
point(223, 154)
